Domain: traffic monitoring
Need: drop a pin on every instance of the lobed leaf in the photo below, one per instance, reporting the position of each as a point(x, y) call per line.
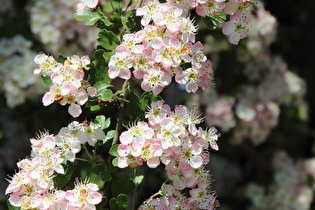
point(108, 40)
point(89, 17)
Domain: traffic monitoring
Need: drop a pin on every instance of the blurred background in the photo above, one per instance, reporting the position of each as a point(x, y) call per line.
point(262, 102)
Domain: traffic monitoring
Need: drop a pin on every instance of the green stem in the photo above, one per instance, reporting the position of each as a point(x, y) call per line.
point(88, 153)
point(157, 194)
point(85, 160)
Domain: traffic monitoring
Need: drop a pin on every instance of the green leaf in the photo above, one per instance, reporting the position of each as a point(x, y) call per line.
point(113, 150)
point(115, 161)
point(101, 67)
point(107, 22)
point(61, 180)
point(146, 99)
point(107, 123)
point(95, 108)
point(47, 80)
point(122, 201)
point(98, 169)
point(131, 22)
point(138, 179)
point(102, 121)
point(210, 23)
point(133, 109)
point(61, 59)
point(108, 40)
point(89, 17)
point(105, 95)
point(113, 204)
point(107, 172)
point(108, 55)
point(109, 135)
point(102, 85)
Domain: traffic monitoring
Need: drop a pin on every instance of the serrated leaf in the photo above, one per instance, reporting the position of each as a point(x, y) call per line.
point(113, 150)
point(89, 17)
point(61, 180)
point(108, 40)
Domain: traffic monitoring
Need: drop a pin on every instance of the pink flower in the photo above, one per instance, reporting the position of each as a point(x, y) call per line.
point(236, 29)
point(151, 153)
point(137, 135)
point(197, 54)
point(84, 195)
point(202, 196)
point(188, 30)
point(170, 18)
point(155, 80)
point(157, 112)
point(86, 3)
point(119, 65)
point(205, 137)
point(169, 133)
point(47, 65)
point(210, 7)
point(191, 153)
point(150, 11)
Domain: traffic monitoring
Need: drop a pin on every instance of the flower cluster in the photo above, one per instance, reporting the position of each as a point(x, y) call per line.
point(171, 137)
point(159, 50)
point(33, 185)
point(16, 72)
point(290, 188)
point(254, 108)
point(219, 112)
point(53, 22)
point(239, 12)
point(172, 198)
point(263, 30)
point(257, 117)
point(68, 84)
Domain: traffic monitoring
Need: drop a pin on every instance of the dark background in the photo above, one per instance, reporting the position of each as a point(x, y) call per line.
point(295, 43)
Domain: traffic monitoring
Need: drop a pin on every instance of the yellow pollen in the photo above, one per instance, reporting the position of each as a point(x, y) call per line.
point(120, 63)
